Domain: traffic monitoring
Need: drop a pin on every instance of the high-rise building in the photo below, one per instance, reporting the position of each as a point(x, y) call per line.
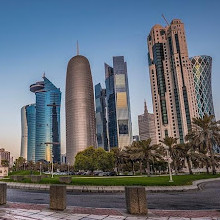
point(146, 124)
point(118, 103)
point(202, 71)
point(28, 129)
point(24, 133)
point(171, 77)
point(101, 117)
point(4, 155)
point(80, 111)
point(31, 125)
point(47, 133)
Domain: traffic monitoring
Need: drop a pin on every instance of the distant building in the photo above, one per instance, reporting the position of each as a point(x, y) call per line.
point(101, 117)
point(146, 124)
point(118, 103)
point(31, 125)
point(24, 133)
point(202, 72)
point(136, 138)
point(47, 133)
point(172, 83)
point(63, 158)
point(4, 155)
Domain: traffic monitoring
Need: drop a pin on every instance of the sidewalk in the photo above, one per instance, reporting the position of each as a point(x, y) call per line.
point(23, 211)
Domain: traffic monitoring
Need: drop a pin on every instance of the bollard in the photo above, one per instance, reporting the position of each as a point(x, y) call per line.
point(35, 179)
point(57, 197)
point(65, 179)
point(136, 201)
point(3, 193)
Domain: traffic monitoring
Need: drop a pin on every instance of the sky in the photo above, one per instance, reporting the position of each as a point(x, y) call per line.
point(40, 36)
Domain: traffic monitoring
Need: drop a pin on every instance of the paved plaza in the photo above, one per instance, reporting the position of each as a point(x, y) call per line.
point(24, 211)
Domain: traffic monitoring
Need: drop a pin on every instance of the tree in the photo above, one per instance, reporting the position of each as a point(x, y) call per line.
point(148, 153)
point(171, 144)
point(19, 163)
point(5, 163)
point(104, 160)
point(205, 135)
point(117, 154)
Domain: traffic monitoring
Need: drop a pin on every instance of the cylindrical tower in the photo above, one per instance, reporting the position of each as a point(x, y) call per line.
point(202, 71)
point(24, 132)
point(80, 114)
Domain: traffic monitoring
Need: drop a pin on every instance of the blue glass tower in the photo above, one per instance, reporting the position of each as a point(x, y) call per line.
point(101, 117)
point(48, 98)
point(31, 127)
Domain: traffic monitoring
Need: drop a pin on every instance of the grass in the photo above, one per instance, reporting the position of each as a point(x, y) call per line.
point(127, 181)
point(24, 172)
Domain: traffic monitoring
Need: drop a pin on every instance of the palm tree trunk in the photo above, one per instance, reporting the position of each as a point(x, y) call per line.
point(141, 167)
point(207, 167)
point(189, 165)
point(148, 168)
point(133, 171)
point(212, 160)
point(175, 167)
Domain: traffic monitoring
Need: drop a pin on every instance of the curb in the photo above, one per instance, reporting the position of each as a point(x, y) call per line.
point(105, 189)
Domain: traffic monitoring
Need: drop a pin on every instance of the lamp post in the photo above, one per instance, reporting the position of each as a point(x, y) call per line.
point(169, 162)
point(40, 167)
point(52, 168)
point(68, 168)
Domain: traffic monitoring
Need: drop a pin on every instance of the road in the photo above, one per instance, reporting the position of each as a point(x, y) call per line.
point(206, 198)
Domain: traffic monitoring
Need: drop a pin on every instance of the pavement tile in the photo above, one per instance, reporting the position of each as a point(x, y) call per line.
point(114, 217)
point(136, 218)
point(201, 218)
point(72, 217)
point(178, 218)
point(97, 216)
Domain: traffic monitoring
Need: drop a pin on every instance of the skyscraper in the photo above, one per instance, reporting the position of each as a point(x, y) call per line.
point(202, 72)
point(28, 129)
point(101, 117)
point(24, 133)
point(118, 103)
point(47, 136)
point(80, 111)
point(31, 125)
point(172, 86)
point(146, 124)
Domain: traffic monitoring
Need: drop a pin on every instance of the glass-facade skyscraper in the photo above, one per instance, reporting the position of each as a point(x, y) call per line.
point(101, 117)
point(118, 104)
point(202, 72)
point(47, 133)
point(31, 122)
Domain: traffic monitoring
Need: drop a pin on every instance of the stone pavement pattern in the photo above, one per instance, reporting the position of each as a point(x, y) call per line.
point(19, 211)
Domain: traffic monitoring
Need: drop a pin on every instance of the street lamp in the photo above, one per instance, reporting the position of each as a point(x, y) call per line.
point(52, 168)
point(40, 167)
point(169, 162)
point(68, 168)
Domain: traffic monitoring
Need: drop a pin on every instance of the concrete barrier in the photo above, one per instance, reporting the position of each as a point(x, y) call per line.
point(65, 179)
point(18, 178)
point(3, 193)
point(57, 197)
point(35, 179)
point(136, 201)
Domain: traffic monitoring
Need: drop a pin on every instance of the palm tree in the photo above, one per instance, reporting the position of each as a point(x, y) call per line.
point(205, 135)
point(130, 154)
point(117, 152)
point(171, 144)
point(187, 151)
point(148, 152)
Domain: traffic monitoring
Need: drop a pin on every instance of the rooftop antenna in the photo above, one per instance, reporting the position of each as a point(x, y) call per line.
point(44, 74)
point(77, 46)
point(165, 19)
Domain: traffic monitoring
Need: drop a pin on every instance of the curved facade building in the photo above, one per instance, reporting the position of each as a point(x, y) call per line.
point(47, 136)
point(24, 132)
point(80, 112)
point(202, 71)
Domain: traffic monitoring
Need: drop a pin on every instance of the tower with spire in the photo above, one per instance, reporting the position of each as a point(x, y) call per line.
point(146, 125)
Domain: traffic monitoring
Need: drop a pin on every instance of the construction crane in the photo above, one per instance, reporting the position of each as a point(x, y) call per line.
point(165, 19)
